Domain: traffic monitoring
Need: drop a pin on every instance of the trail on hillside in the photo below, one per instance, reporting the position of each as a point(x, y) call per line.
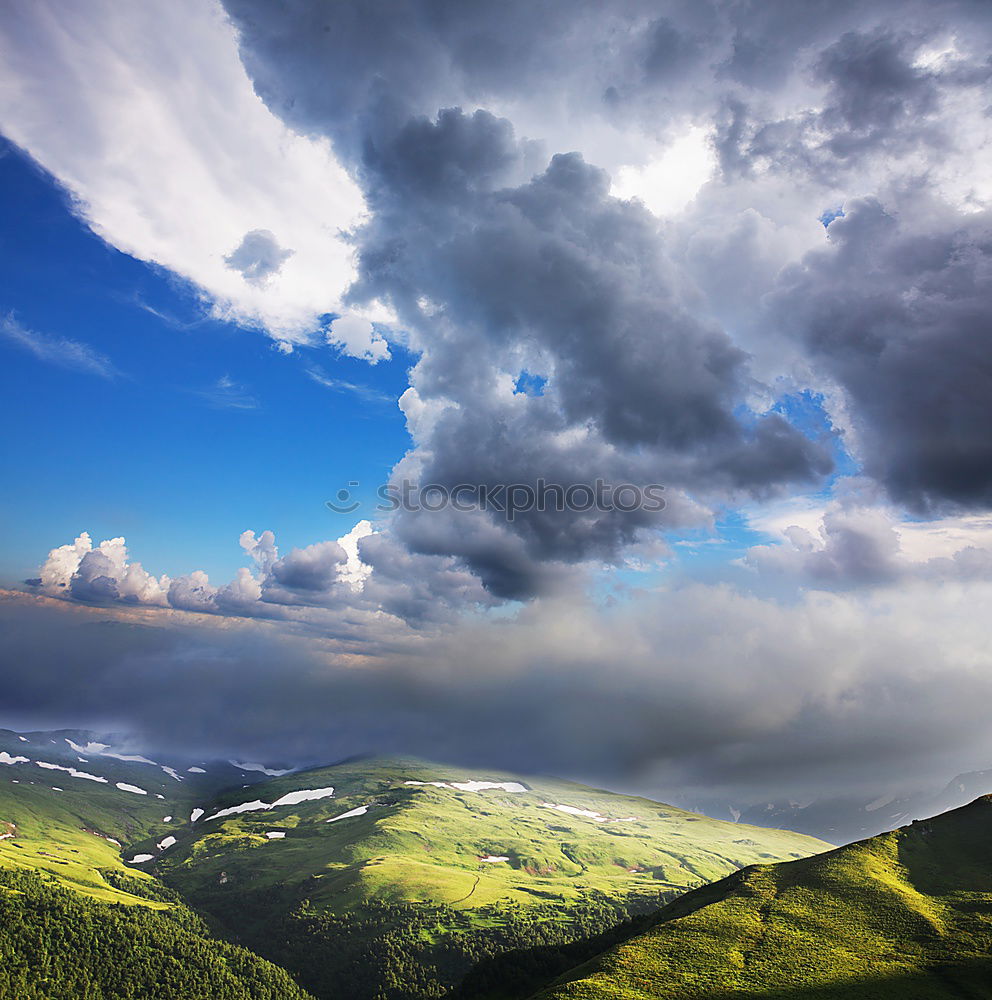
point(474, 887)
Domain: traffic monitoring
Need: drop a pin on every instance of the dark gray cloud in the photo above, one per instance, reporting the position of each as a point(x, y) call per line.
point(313, 568)
point(96, 579)
point(896, 310)
point(392, 61)
point(556, 277)
point(875, 100)
point(873, 86)
point(357, 72)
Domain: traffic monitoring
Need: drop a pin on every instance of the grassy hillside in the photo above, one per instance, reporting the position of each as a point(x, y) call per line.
point(906, 915)
point(416, 842)
point(411, 873)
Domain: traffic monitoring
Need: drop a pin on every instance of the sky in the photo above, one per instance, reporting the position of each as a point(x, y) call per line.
point(262, 263)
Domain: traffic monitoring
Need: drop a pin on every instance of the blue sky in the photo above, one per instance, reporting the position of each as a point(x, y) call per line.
point(149, 453)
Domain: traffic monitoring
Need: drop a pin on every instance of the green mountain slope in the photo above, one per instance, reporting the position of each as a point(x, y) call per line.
point(410, 873)
point(905, 915)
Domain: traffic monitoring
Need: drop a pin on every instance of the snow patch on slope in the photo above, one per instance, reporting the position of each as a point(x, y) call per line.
point(596, 817)
point(289, 799)
point(474, 786)
point(360, 811)
point(125, 787)
point(71, 771)
point(89, 748)
point(271, 772)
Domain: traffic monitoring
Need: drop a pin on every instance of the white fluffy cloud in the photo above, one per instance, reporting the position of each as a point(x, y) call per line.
point(325, 573)
point(101, 575)
point(145, 113)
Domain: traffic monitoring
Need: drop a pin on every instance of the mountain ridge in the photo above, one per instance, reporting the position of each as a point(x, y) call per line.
point(905, 914)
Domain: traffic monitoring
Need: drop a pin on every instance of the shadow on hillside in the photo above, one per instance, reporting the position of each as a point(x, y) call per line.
point(518, 974)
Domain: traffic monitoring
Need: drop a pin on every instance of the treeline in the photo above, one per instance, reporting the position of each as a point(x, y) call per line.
point(420, 951)
point(58, 945)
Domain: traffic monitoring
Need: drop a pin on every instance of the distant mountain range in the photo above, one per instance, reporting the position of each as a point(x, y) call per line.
point(844, 819)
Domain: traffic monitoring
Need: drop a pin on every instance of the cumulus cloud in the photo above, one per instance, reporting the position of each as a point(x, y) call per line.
point(664, 348)
point(363, 574)
point(99, 575)
point(354, 571)
point(261, 548)
point(554, 276)
point(193, 592)
point(852, 547)
point(359, 337)
point(855, 541)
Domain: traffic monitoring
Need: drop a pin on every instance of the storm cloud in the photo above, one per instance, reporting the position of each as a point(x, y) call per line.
point(897, 310)
point(553, 277)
